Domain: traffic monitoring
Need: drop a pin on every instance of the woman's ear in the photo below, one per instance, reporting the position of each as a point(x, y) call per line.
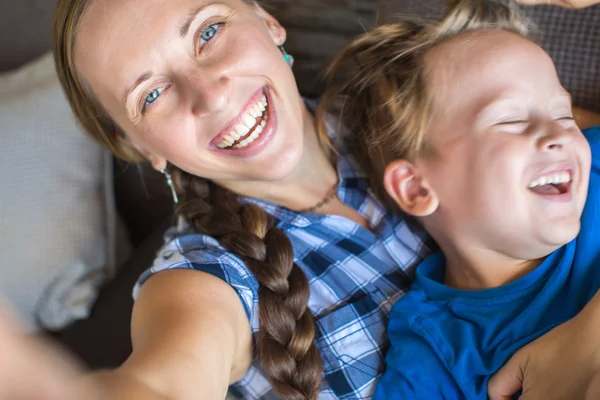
point(409, 189)
point(277, 32)
point(158, 163)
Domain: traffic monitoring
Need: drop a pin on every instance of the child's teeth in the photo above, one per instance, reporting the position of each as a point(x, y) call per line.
point(551, 179)
point(234, 135)
point(263, 123)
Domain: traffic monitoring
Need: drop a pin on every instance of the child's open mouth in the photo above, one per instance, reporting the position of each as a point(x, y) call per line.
point(556, 183)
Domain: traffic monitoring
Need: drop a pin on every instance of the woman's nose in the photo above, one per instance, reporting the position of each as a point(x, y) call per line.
point(209, 93)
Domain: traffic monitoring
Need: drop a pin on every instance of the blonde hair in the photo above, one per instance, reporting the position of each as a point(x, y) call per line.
point(385, 99)
point(286, 343)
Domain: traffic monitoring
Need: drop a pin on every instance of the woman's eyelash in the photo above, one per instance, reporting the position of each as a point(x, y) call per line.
point(151, 97)
point(208, 33)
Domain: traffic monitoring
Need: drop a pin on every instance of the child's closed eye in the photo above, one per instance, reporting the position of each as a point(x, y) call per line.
point(516, 126)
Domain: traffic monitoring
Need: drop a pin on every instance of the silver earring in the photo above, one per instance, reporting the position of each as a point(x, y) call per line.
point(288, 58)
point(167, 175)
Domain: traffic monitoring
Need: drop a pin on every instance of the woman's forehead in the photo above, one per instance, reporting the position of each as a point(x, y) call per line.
point(118, 40)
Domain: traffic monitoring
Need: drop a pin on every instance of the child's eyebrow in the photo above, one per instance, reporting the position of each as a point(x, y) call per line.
point(505, 104)
point(562, 97)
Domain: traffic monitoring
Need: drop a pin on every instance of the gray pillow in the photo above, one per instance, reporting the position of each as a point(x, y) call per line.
point(571, 37)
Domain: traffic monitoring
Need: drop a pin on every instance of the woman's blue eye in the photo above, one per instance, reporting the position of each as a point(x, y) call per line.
point(208, 33)
point(152, 96)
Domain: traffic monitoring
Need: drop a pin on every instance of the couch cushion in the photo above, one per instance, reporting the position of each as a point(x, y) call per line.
point(25, 31)
point(571, 37)
point(56, 210)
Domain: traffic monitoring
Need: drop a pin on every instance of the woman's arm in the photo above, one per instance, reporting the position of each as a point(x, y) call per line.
point(190, 335)
point(558, 365)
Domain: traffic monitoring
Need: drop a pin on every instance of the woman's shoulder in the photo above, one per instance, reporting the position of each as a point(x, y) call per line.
point(185, 249)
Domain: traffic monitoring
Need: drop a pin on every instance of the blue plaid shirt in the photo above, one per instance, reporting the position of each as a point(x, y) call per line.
point(355, 276)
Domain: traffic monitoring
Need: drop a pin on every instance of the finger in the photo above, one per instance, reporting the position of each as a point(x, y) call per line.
point(593, 390)
point(508, 380)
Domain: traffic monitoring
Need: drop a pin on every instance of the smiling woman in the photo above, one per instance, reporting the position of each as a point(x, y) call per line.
point(205, 86)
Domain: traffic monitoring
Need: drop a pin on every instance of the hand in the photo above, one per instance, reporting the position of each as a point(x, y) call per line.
point(32, 369)
point(557, 366)
point(593, 390)
point(561, 3)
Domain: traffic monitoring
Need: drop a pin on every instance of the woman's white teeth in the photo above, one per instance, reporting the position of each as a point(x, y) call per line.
point(249, 118)
point(241, 129)
point(554, 179)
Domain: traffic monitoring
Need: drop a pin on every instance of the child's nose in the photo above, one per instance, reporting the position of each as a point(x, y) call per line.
point(555, 138)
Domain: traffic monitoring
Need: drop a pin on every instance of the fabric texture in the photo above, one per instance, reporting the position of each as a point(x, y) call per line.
point(355, 276)
point(446, 343)
point(57, 218)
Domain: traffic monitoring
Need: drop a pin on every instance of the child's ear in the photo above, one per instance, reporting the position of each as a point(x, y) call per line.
point(409, 189)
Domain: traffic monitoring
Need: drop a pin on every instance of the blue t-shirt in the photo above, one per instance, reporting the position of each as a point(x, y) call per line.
point(446, 343)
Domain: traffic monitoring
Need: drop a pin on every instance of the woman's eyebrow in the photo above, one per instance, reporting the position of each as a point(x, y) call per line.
point(142, 78)
point(183, 31)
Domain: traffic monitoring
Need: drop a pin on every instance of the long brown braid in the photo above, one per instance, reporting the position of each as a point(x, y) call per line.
point(286, 339)
point(287, 330)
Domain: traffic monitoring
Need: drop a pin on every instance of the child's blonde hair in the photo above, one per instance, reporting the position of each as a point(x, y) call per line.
point(385, 100)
